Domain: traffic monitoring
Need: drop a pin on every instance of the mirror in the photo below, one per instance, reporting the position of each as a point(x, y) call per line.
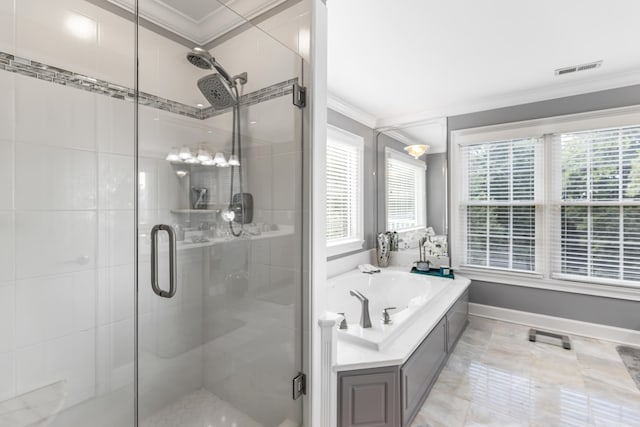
point(412, 192)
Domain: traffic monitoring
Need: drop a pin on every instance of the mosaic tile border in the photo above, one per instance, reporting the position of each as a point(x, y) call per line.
point(40, 71)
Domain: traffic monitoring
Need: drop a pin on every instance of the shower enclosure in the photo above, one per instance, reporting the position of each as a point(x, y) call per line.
point(151, 212)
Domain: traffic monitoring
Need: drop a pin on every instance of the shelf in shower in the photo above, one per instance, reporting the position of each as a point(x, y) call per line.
point(190, 211)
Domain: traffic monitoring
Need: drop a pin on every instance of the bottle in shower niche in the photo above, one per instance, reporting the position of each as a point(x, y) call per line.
point(383, 249)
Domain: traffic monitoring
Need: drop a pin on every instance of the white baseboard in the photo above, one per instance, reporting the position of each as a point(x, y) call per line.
point(557, 324)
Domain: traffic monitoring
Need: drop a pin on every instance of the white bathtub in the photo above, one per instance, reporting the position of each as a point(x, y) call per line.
point(410, 293)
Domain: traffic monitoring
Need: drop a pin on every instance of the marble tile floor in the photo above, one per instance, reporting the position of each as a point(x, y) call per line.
point(496, 377)
point(199, 409)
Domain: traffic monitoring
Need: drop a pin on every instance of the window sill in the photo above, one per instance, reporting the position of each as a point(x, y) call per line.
point(344, 247)
point(536, 280)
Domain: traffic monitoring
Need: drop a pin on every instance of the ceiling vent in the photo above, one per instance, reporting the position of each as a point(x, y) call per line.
point(576, 68)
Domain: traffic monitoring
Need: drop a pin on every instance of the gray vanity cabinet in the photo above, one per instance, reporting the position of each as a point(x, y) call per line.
point(421, 370)
point(369, 398)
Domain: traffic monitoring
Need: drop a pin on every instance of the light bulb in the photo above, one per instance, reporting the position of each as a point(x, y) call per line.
point(233, 160)
point(173, 155)
point(219, 159)
point(185, 153)
point(203, 155)
point(181, 173)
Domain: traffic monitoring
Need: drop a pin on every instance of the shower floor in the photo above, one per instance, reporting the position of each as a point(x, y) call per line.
point(198, 409)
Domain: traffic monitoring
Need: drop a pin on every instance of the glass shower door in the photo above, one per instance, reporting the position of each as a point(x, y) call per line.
point(219, 196)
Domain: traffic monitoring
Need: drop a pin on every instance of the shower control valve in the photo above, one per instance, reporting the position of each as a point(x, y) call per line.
point(343, 322)
point(386, 318)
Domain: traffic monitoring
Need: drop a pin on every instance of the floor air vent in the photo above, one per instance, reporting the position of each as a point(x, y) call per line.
point(576, 68)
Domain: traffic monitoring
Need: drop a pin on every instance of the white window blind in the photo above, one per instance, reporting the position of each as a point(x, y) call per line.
point(498, 204)
point(343, 188)
point(405, 192)
point(596, 215)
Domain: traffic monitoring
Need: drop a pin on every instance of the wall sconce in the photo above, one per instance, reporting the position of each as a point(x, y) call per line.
point(416, 150)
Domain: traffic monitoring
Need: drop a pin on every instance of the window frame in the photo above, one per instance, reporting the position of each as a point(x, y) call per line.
point(356, 241)
point(545, 277)
point(421, 190)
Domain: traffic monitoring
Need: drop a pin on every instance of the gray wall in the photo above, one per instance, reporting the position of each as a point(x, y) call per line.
point(607, 311)
point(370, 187)
point(437, 192)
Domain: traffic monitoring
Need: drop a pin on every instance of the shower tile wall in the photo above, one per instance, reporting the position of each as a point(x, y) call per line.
point(65, 264)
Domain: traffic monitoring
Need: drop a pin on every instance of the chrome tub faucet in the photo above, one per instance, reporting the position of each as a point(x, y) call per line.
point(365, 320)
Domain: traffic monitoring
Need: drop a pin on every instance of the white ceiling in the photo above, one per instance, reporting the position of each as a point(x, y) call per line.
point(406, 60)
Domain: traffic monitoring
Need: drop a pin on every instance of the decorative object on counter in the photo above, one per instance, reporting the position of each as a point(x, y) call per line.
point(434, 272)
point(368, 269)
point(436, 246)
point(422, 264)
point(393, 241)
point(445, 270)
point(383, 249)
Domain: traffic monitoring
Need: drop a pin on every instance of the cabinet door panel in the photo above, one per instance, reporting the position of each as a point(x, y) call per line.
point(457, 320)
point(421, 369)
point(369, 399)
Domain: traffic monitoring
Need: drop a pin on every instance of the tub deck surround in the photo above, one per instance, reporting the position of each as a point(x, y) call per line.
point(408, 294)
point(352, 356)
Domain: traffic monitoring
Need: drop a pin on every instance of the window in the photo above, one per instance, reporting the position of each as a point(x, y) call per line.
point(344, 219)
point(499, 204)
point(598, 220)
point(406, 192)
point(552, 203)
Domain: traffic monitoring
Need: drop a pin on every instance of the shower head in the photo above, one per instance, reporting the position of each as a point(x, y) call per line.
point(201, 58)
point(218, 91)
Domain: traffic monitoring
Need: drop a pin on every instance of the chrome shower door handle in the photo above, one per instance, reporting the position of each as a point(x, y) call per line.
point(173, 273)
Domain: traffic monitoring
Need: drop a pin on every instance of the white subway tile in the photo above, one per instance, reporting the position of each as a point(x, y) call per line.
point(54, 242)
point(114, 126)
point(147, 184)
point(54, 178)
point(7, 82)
point(54, 115)
point(70, 359)
point(30, 367)
point(44, 309)
point(7, 26)
point(116, 291)
point(6, 172)
point(7, 385)
point(7, 313)
point(52, 307)
point(116, 182)
point(116, 237)
point(7, 233)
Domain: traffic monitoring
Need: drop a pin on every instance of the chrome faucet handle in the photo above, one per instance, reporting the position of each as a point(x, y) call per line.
point(386, 318)
point(343, 323)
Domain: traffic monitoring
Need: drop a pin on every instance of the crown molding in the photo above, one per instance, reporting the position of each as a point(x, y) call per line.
point(202, 31)
point(395, 134)
point(343, 107)
point(613, 81)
